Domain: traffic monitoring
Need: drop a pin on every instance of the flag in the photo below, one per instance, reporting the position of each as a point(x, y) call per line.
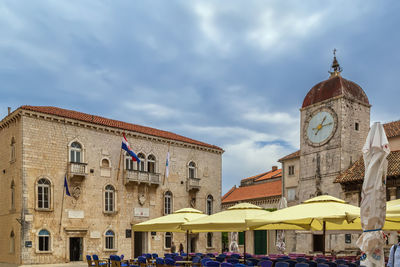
point(127, 148)
point(66, 186)
point(167, 166)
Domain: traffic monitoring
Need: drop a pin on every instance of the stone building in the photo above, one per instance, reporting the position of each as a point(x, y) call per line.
point(42, 147)
point(263, 190)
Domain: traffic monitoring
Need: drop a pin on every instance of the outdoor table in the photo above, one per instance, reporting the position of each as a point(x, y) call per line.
point(185, 263)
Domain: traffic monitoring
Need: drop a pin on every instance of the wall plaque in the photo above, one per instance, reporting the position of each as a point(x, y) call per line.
point(76, 214)
point(141, 212)
point(95, 234)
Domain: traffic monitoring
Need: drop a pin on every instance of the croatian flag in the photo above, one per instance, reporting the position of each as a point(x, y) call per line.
point(167, 166)
point(66, 186)
point(127, 148)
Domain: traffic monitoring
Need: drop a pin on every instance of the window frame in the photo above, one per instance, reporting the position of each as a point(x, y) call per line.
point(109, 199)
point(168, 201)
point(209, 240)
point(151, 163)
point(293, 189)
point(210, 204)
point(12, 200)
point(44, 237)
point(141, 166)
point(12, 242)
point(110, 238)
point(291, 170)
point(13, 150)
point(40, 188)
point(129, 163)
point(170, 236)
point(192, 170)
point(74, 151)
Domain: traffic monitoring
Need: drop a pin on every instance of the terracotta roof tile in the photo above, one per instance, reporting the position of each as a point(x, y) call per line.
point(115, 124)
point(255, 191)
point(392, 129)
point(229, 192)
point(355, 173)
point(290, 156)
point(272, 174)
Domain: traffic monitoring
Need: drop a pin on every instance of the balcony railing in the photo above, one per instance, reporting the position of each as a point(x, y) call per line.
point(142, 177)
point(77, 169)
point(193, 184)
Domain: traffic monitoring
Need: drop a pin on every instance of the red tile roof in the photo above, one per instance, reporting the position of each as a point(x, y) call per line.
point(392, 129)
point(254, 192)
point(355, 173)
point(70, 114)
point(290, 156)
point(229, 192)
point(265, 175)
point(332, 87)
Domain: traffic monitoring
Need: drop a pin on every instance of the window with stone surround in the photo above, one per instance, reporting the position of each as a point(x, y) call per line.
point(210, 201)
point(168, 240)
point(291, 194)
point(141, 164)
point(43, 194)
point(291, 170)
point(209, 240)
point(12, 200)
point(110, 240)
point(151, 163)
point(167, 202)
point(12, 146)
point(76, 153)
point(192, 169)
point(109, 199)
point(43, 240)
point(12, 243)
point(129, 165)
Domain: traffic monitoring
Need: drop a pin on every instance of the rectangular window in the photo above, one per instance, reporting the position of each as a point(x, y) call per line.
point(291, 194)
point(241, 238)
point(291, 170)
point(109, 201)
point(347, 238)
point(356, 126)
point(44, 243)
point(168, 240)
point(128, 233)
point(209, 240)
point(109, 242)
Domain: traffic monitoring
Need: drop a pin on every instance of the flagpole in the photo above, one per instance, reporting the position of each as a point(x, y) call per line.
point(62, 205)
point(168, 159)
point(119, 163)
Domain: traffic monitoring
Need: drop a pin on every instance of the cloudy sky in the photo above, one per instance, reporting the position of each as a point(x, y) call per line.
point(229, 73)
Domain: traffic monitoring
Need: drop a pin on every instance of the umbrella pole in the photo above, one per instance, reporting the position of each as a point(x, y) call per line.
point(187, 244)
point(323, 237)
point(244, 246)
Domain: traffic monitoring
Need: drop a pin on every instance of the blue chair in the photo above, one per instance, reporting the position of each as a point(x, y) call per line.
point(312, 263)
point(198, 254)
point(154, 255)
point(249, 263)
point(233, 260)
point(352, 264)
point(159, 262)
point(220, 259)
point(265, 263)
point(212, 264)
point(178, 258)
point(321, 260)
point(341, 261)
point(196, 261)
point(211, 255)
point(301, 264)
point(281, 264)
point(322, 265)
point(89, 260)
point(169, 262)
point(226, 264)
point(142, 261)
point(343, 265)
point(236, 256)
point(239, 265)
point(99, 262)
point(292, 263)
point(331, 264)
point(204, 261)
point(301, 259)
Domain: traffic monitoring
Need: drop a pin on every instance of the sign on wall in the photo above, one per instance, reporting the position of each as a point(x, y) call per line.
point(76, 214)
point(141, 212)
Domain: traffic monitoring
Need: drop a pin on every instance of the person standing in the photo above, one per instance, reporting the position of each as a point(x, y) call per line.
point(173, 247)
point(394, 256)
point(180, 248)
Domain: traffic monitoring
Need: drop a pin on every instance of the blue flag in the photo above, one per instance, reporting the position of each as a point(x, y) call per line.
point(66, 186)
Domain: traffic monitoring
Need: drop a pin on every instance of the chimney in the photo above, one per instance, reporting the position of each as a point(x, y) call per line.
point(274, 168)
point(9, 110)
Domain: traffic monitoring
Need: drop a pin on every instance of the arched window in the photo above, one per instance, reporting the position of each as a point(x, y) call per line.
point(105, 163)
point(192, 169)
point(43, 194)
point(44, 240)
point(12, 195)
point(12, 156)
point(209, 240)
point(167, 202)
point(168, 239)
point(110, 240)
point(76, 152)
point(128, 162)
point(140, 165)
point(151, 164)
point(12, 242)
point(109, 197)
point(210, 201)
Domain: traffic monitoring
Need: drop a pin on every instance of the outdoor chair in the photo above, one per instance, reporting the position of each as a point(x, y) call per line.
point(160, 262)
point(282, 264)
point(352, 264)
point(233, 260)
point(265, 258)
point(220, 259)
point(169, 262)
point(237, 256)
point(178, 258)
point(322, 265)
point(204, 261)
point(331, 264)
point(226, 264)
point(196, 261)
point(253, 260)
point(98, 262)
point(341, 261)
point(212, 264)
point(343, 265)
point(199, 255)
point(249, 263)
point(292, 263)
point(239, 265)
point(321, 260)
point(265, 263)
point(301, 259)
point(211, 255)
point(154, 255)
point(301, 264)
point(312, 263)
point(142, 261)
point(89, 260)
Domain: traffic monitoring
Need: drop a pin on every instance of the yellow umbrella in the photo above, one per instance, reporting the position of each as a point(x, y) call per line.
point(170, 222)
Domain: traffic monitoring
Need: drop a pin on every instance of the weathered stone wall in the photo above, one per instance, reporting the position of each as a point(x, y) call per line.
point(45, 144)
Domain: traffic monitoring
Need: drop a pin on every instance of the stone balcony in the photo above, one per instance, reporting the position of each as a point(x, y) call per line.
point(77, 170)
point(193, 184)
point(134, 176)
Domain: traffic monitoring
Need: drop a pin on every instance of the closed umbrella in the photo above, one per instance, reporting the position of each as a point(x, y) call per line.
point(280, 240)
point(373, 196)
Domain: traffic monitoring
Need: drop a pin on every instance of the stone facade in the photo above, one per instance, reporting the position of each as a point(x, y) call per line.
point(43, 150)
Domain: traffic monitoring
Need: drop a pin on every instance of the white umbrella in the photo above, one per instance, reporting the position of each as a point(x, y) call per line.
point(373, 196)
point(280, 237)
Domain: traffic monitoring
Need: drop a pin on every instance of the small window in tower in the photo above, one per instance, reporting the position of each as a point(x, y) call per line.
point(356, 126)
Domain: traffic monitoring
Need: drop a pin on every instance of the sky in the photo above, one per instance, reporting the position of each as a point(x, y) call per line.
point(229, 73)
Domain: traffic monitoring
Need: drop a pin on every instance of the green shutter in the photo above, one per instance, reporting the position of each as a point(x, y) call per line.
point(241, 238)
point(260, 242)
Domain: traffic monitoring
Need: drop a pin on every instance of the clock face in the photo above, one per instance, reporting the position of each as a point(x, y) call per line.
point(321, 128)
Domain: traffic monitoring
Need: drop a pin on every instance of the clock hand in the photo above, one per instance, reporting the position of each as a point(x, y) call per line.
point(322, 122)
point(326, 124)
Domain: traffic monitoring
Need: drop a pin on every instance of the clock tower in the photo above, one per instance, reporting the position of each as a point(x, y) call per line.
point(335, 119)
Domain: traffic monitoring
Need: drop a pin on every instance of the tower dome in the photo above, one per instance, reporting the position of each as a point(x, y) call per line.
point(335, 86)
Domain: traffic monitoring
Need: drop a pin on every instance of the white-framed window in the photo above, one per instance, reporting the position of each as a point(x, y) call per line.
point(210, 201)
point(129, 163)
point(109, 240)
point(109, 198)
point(12, 242)
point(291, 194)
point(43, 194)
point(12, 187)
point(141, 164)
point(44, 240)
point(209, 240)
point(105, 163)
point(192, 169)
point(168, 240)
point(291, 170)
point(168, 202)
point(76, 152)
point(12, 146)
point(151, 163)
